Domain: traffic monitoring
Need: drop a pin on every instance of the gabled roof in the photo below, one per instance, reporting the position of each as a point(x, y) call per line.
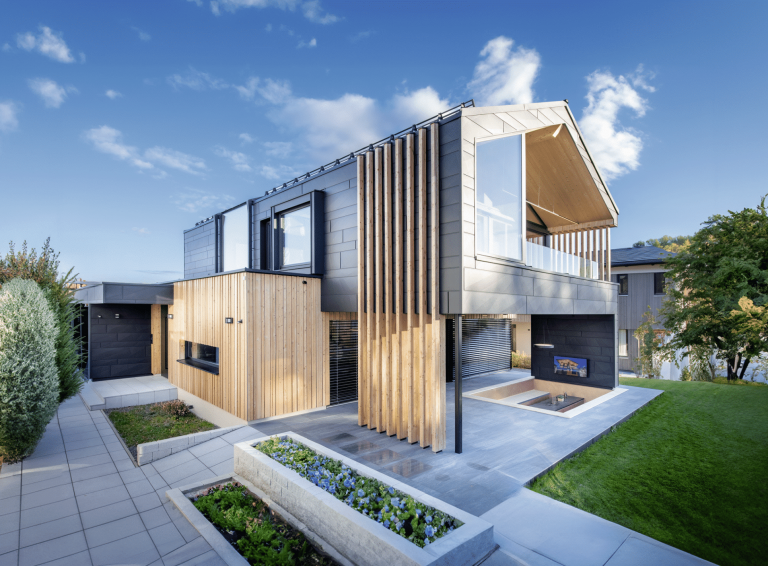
point(639, 256)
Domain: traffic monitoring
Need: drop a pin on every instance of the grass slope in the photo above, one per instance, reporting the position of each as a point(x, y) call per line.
point(147, 423)
point(688, 470)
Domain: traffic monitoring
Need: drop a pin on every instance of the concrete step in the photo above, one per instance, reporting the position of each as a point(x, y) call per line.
point(91, 397)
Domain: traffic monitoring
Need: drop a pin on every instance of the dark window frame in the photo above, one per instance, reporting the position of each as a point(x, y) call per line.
point(203, 365)
point(625, 278)
point(659, 281)
point(280, 233)
point(316, 202)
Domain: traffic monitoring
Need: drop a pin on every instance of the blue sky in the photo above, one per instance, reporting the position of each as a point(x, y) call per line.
point(124, 123)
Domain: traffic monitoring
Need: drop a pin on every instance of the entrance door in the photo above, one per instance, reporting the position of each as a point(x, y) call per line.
point(486, 345)
point(343, 361)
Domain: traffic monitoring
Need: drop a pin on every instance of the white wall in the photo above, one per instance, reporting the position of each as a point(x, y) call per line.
point(523, 337)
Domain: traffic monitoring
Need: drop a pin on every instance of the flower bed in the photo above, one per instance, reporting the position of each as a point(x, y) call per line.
point(255, 531)
point(322, 503)
point(396, 511)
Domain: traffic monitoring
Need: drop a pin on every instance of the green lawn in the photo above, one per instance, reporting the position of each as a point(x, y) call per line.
point(147, 423)
point(690, 470)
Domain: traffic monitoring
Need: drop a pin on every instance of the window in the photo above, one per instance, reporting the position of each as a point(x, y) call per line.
point(234, 233)
point(623, 341)
point(201, 356)
point(295, 239)
point(659, 284)
point(623, 281)
point(498, 201)
point(264, 262)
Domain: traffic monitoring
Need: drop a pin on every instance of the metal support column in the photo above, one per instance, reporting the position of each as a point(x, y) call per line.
point(457, 380)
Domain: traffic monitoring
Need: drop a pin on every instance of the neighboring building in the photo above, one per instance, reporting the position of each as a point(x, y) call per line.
point(640, 275)
point(346, 283)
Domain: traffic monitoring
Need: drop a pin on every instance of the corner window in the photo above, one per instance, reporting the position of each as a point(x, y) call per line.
point(201, 356)
point(623, 341)
point(295, 237)
point(234, 234)
point(623, 281)
point(498, 200)
point(659, 284)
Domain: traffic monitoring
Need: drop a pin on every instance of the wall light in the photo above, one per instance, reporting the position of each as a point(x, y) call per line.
point(117, 316)
point(228, 320)
point(170, 316)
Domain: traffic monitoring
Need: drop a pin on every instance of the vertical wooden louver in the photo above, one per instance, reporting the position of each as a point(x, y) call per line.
point(401, 344)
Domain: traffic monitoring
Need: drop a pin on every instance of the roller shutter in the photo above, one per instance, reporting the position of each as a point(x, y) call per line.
point(486, 346)
point(343, 361)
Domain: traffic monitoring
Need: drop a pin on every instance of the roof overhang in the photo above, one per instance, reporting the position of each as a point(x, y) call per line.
point(126, 294)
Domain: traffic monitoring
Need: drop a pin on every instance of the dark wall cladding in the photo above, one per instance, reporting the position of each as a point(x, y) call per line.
point(120, 347)
point(582, 336)
point(200, 251)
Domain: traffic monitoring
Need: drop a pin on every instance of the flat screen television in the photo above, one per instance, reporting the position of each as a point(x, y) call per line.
point(570, 366)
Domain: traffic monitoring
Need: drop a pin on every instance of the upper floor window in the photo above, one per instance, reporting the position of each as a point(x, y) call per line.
point(234, 236)
point(295, 237)
point(623, 281)
point(659, 284)
point(499, 194)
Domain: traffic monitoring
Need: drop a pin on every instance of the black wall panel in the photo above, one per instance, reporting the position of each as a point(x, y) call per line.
point(583, 336)
point(120, 347)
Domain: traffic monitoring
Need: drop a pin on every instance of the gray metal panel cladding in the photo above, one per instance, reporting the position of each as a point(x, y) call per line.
point(200, 251)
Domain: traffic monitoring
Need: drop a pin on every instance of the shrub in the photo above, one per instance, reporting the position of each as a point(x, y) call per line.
point(43, 269)
point(520, 360)
point(685, 375)
point(29, 392)
point(176, 408)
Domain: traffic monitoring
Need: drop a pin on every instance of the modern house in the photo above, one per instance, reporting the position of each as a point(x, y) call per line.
point(348, 282)
point(640, 275)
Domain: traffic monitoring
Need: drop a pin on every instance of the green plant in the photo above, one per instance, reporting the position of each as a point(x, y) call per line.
point(258, 534)
point(649, 354)
point(520, 360)
point(396, 511)
point(43, 269)
point(176, 408)
point(685, 374)
point(28, 380)
point(701, 363)
point(147, 423)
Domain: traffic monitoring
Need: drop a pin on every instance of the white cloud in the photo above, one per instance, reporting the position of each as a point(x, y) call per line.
point(314, 13)
point(175, 160)
point(198, 2)
point(47, 42)
point(360, 35)
point(195, 200)
point(196, 80)
point(278, 149)
point(7, 47)
point(51, 93)
point(413, 107)
point(505, 75)
point(271, 90)
point(8, 116)
point(616, 149)
point(268, 27)
point(141, 231)
point(279, 172)
point(311, 9)
point(245, 138)
point(110, 141)
point(143, 36)
point(311, 43)
point(238, 160)
point(113, 94)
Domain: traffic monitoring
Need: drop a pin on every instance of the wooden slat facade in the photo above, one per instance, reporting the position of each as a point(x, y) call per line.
point(401, 334)
point(271, 363)
point(156, 328)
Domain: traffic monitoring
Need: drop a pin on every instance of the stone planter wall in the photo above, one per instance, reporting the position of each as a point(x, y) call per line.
point(151, 451)
point(353, 535)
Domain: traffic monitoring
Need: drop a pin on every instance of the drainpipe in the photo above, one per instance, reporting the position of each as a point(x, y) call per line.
point(457, 380)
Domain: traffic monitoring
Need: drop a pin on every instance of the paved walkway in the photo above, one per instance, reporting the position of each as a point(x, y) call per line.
point(80, 500)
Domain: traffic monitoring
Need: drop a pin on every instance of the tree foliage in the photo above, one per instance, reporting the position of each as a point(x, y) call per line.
point(43, 269)
point(649, 352)
point(721, 289)
point(673, 244)
point(28, 376)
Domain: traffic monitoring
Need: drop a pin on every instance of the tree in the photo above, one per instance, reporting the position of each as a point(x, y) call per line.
point(671, 244)
point(726, 262)
point(649, 352)
point(29, 392)
point(43, 269)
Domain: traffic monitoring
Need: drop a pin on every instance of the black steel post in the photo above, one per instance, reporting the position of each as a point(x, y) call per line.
point(457, 380)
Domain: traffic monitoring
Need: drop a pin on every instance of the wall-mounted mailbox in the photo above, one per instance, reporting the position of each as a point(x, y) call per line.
point(229, 320)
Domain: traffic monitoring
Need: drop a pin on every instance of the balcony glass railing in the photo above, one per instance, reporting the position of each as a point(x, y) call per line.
point(542, 257)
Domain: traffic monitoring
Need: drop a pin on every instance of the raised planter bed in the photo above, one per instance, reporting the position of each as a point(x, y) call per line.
point(360, 539)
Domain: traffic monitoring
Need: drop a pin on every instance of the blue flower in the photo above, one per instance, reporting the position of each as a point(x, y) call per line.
point(347, 483)
point(395, 502)
point(360, 493)
point(426, 541)
point(418, 512)
point(429, 531)
point(391, 490)
point(428, 519)
point(399, 525)
point(386, 509)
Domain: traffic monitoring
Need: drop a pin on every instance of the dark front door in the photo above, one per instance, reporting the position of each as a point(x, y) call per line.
point(164, 341)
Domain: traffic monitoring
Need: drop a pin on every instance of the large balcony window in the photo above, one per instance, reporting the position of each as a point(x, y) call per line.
point(499, 197)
